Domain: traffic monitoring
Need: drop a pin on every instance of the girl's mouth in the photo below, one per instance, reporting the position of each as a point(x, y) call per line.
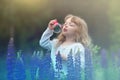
point(64, 29)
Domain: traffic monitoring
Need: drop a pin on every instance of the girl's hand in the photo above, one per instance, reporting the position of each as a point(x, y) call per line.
point(51, 24)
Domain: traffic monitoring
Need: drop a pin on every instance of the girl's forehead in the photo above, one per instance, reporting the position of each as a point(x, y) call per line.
point(68, 20)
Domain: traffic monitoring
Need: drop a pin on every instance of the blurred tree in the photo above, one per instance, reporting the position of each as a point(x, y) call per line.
point(114, 15)
point(30, 19)
point(27, 17)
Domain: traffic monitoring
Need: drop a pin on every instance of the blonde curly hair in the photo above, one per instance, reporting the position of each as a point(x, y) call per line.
point(81, 34)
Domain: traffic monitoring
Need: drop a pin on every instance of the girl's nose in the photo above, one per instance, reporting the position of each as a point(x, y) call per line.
point(65, 26)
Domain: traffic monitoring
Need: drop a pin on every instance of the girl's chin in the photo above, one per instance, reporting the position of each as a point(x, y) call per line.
point(65, 33)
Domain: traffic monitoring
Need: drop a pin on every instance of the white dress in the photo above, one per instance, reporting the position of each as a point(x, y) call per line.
point(46, 43)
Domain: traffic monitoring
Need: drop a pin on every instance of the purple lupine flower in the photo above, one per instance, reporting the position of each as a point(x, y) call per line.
point(88, 65)
point(113, 60)
point(77, 66)
point(58, 65)
point(19, 71)
point(70, 67)
point(10, 60)
point(34, 68)
point(104, 62)
point(118, 61)
point(46, 71)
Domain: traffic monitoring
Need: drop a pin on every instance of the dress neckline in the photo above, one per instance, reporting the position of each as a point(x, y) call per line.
point(67, 45)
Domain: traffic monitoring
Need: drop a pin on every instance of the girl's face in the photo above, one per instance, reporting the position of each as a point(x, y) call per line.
point(69, 28)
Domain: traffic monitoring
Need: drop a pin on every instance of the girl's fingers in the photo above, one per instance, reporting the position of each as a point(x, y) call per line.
point(51, 24)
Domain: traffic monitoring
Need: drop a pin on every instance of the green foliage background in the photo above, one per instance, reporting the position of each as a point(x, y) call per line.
point(30, 19)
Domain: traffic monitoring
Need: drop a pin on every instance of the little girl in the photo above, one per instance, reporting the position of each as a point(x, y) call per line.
point(73, 37)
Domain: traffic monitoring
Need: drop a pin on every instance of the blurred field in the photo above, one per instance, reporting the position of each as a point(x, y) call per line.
point(29, 19)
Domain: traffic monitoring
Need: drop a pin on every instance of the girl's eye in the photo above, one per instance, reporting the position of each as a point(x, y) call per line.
point(64, 24)
point(69, 24)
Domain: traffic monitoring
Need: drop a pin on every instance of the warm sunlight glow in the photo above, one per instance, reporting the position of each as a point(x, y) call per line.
point(29, 4)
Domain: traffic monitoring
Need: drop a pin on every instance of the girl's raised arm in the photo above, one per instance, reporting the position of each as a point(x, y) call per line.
point(45, 41)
